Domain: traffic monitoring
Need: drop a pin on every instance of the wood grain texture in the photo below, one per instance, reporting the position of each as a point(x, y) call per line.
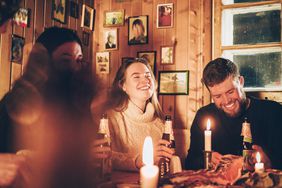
point(40, 18)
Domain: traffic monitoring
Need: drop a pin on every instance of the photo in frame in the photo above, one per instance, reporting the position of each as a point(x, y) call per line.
point(165, 15)
point(167, 55)
point(59, 8)
point(102, 62)
point(138, 30)
point(22, 17)
point(110, 39)
point(85, 38)
point(74, 9)
point(173, 82)
point(88, 17)
point(150, 56)
point(126, 59)
point(114, 18)
point(17, 48)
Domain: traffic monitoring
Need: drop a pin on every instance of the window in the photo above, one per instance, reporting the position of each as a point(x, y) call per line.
point(248, 32)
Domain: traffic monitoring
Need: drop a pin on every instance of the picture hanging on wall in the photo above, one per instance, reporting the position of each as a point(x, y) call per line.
point(173, 82)
point(102, 63)
point(74, 9)
point(114, 18)
point(22, 16)
point(59, 8)
point(111, 39)
point(88, 17)
point(150, 56)
point(17, 48)
point(165, 15)
point(167, 55)
point(137, 30)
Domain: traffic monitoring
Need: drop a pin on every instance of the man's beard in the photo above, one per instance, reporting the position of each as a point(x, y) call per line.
point(242, 108)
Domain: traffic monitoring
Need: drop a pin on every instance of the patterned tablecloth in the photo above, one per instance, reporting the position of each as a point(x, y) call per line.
point(225, 174)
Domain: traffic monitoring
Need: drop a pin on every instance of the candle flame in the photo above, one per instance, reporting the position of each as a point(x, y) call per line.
point(148, 153)
point(258, 157)
point(208, 124)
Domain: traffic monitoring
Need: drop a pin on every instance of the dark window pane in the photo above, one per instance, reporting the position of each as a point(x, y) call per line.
point(261, 70)
point(244, 1)
point(257, 27)
point(228, 2)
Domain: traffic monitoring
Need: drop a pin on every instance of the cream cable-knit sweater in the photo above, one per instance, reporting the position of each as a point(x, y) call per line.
point(128, 131)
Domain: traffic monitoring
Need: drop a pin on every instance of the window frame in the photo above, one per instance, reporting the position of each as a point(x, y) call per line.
point(218, 49)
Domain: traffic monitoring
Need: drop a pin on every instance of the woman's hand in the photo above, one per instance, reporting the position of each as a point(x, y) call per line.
point(13, 170)
point(100, 149)
point(161, 150)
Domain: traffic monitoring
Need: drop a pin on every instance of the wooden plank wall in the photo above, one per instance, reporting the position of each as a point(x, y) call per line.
point(40, 18)
point(191, 37)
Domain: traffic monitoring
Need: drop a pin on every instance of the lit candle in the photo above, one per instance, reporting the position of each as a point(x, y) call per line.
point(259, 166)
point(208, 134)
point(149, 172)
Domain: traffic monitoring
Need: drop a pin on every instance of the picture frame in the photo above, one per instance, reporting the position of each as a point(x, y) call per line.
point(88, 17)
point(167, 55)
point(59, 8)
point(151, 57)
point(138, 23)
point(74, 9)
point(173, 82)
point(125, 59)
point(102, 62)
point(22, 17)
point(17, 49)
point(165, 15)
point(110, 39)
point(114, 18)
point(85, 38)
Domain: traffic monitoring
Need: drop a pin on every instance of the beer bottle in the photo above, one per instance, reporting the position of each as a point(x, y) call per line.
point(164, 162)
point(105, 168)
point(247, 147)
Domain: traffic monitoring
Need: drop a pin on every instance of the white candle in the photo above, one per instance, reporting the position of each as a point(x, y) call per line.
point(208, 134)
point(259, 166)
point(149, 173)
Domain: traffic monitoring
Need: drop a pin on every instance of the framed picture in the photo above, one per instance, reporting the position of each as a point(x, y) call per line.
point(102, 62)
point(110, 39)
point(167, 55)
point(137, 30)
point(85, 38)
point(74, 9)
point(17, 48)
point(114, 18)
point(22, 16)
point(125, 59)
point(165, 15)
point(88, 17)
point(150, 56)
point(174, 82)
point(59, 10)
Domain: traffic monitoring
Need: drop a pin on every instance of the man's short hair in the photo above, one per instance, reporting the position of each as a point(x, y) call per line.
point(216, 71)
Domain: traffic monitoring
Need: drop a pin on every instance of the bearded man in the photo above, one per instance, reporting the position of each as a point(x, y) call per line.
point(227, 112)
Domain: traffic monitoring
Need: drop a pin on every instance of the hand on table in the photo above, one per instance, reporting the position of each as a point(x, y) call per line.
point(13, 170)
point(216, 157)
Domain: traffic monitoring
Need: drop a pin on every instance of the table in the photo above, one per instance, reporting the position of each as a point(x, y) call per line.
point(122, 179)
